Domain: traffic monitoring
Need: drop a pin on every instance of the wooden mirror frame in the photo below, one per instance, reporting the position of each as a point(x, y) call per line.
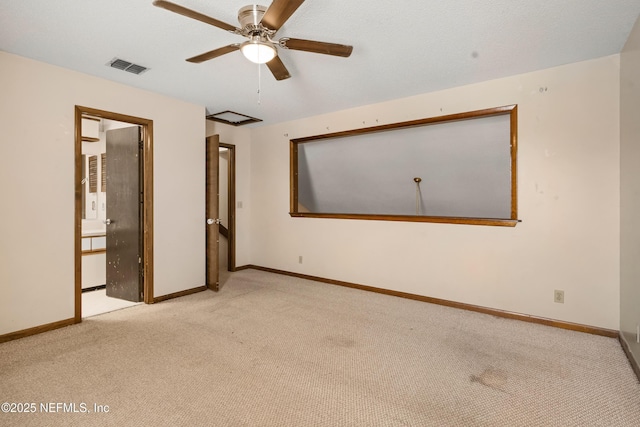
point(510, 110)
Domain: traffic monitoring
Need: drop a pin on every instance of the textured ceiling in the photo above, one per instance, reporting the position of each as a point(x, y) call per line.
point(401, 48)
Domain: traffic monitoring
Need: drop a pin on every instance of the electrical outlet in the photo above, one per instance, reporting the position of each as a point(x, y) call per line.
point(558, 296)
point(300, 259)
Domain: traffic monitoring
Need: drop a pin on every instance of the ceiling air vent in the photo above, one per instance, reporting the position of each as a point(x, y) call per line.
point(232, 118)
point(123, 65)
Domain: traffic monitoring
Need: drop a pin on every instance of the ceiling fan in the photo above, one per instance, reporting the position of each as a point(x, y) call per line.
point(259, 24)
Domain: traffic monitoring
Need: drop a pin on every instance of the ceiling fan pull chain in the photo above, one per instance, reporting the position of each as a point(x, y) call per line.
point(259, 84)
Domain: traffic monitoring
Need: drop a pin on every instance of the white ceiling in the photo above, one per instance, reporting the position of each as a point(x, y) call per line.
point(401, 48)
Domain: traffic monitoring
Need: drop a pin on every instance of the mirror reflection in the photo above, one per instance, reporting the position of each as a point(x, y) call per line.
point(93, 147)
point(94, 163)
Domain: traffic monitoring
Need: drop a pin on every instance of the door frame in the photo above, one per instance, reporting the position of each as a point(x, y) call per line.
point(231, 205)
point(147, 205)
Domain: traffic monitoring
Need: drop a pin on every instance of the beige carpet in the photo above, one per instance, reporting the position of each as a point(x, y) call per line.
point(271, 350)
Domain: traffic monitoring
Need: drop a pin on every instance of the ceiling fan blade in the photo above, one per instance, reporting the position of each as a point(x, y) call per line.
point(194, 15)
point(317, 47)
point(279, 12)
point(277, 68)
point(214, 53)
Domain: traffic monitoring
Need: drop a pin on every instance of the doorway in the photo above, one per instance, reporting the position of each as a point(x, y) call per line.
point(142, 192)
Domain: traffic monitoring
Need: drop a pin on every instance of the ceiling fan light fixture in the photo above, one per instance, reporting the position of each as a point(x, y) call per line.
point(258, 51)
point(259, 24)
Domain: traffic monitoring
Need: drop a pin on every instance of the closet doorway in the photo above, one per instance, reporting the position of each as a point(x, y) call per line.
point(125, 215)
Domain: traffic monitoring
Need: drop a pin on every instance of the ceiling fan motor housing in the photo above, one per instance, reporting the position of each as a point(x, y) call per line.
point(251, 16)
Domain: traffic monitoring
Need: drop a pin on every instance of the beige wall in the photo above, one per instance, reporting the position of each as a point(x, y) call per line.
point(568, 166)
point(37, 186)
point(630, 190)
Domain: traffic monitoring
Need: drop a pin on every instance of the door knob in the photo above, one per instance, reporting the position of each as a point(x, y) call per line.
point(214, 221)
point(107, 221)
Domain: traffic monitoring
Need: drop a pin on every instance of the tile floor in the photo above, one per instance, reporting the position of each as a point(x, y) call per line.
point(97, 302)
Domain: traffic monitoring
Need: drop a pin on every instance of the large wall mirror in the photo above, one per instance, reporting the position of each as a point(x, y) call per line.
point(458, 168)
